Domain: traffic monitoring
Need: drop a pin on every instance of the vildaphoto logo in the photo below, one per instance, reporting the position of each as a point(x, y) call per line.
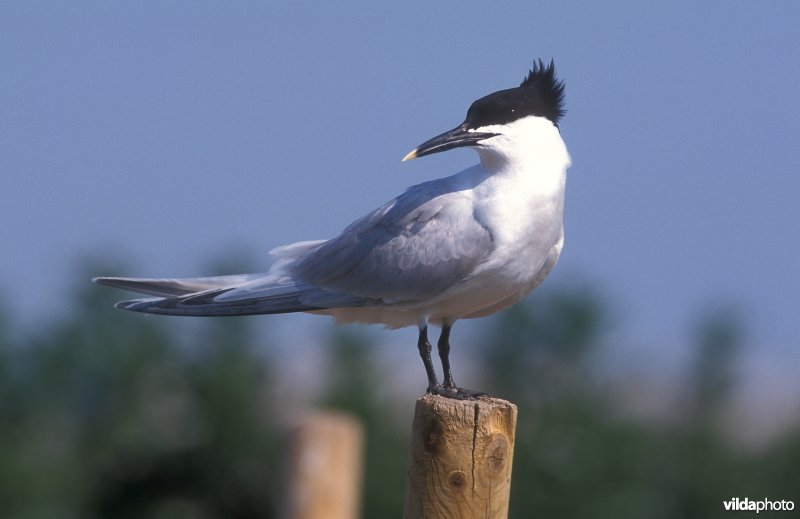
point(764, 505)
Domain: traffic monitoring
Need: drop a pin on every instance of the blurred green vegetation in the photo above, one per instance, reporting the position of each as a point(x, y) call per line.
point(104, 414)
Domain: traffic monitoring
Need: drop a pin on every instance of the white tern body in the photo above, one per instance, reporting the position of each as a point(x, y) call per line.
point(460, 247)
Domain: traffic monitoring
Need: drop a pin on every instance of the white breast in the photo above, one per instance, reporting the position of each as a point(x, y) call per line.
point(521, 203)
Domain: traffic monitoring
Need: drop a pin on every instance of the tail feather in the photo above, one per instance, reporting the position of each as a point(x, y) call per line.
point(175, 287)
point(247, 294)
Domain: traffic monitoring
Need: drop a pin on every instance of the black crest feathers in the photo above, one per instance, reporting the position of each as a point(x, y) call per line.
point(549, 88)
point(540, 94)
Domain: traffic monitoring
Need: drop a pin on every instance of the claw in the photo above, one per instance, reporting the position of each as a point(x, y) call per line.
point(455, 392)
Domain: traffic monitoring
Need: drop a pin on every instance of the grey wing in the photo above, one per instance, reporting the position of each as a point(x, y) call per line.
point(412, 249)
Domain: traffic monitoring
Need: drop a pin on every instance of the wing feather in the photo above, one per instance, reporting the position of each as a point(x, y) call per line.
point(412, 249)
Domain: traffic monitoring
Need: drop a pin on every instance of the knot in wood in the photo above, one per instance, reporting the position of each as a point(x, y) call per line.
point(497, 454)
point(432, 436)
point(457, 480)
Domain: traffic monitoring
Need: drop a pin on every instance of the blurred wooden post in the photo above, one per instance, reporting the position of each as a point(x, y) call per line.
point(460, 460)
point(325, 468)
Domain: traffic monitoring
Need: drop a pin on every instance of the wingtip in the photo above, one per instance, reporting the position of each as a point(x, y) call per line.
point(104, 280)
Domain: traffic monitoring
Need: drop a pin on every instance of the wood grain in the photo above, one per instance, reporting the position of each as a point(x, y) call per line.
point(460, 459)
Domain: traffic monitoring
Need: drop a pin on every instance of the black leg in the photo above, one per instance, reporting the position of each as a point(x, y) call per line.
point(425, 352)
point(444, 354)
point(449, 388)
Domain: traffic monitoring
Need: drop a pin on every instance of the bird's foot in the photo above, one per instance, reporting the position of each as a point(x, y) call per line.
point(455, 392)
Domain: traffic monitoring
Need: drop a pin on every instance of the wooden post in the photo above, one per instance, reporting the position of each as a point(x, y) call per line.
point(325, 467)
point(460, 460)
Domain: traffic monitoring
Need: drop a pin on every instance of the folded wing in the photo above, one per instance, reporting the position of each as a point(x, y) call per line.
point(407, 253)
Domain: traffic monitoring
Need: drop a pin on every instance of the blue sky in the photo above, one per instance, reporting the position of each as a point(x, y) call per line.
point(165, 133)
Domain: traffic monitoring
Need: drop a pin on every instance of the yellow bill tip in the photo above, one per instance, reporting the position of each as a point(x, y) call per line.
point(411, 155)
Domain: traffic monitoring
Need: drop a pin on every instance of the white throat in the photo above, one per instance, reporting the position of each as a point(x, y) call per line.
point(530, 143)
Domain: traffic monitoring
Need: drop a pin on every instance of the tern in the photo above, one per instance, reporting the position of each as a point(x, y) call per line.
point(460, 247)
